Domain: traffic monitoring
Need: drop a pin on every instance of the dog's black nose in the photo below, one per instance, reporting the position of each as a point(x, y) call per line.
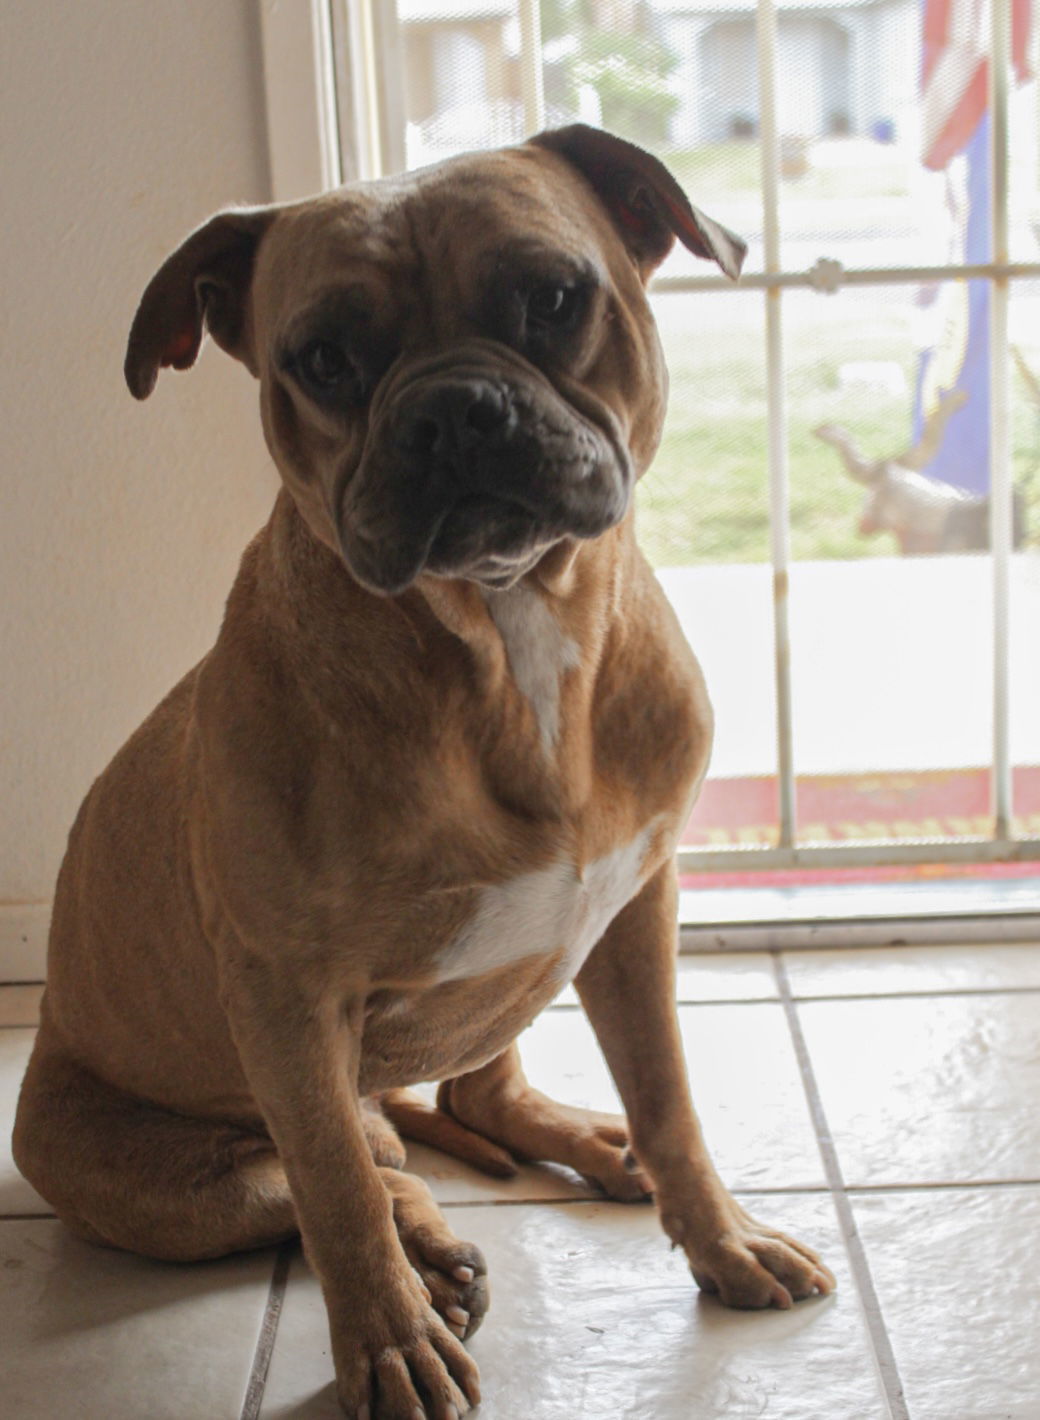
point(457, 420)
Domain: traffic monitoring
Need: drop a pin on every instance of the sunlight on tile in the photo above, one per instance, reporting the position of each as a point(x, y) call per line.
point(593, 1316)
point(930, 1090)
point(885, 971)
point(715, 976)
point(956, 1273)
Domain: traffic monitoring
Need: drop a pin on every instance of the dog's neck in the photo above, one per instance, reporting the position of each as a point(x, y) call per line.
point(567, 577)
point(521, 662)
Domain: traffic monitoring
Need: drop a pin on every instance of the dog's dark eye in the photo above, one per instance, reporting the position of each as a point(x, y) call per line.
point(551, 305)
point(324, 365)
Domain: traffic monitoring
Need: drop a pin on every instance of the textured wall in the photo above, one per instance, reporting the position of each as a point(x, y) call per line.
point(124, 124)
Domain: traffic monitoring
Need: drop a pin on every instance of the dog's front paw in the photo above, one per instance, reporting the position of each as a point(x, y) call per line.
point(396, 1360)
point(749, 1265)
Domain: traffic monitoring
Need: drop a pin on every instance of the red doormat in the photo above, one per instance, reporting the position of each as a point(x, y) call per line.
point(844, 808)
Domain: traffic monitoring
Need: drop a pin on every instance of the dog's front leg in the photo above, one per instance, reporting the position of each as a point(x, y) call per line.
point(627, 987)
point(300, 1046)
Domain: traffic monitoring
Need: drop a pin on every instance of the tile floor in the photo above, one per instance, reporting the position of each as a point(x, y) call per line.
point(880, 1103)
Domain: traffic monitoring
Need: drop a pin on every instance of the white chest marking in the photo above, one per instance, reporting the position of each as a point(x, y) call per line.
point(549, 910)
point(539, 652)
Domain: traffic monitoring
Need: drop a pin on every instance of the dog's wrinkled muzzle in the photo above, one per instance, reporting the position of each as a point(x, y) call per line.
point(469, 470)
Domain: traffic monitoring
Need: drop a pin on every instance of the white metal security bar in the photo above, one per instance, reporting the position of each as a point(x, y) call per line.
point(367, 33)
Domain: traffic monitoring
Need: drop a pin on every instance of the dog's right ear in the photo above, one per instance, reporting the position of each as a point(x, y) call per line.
point(648, 207)
point(204, 284)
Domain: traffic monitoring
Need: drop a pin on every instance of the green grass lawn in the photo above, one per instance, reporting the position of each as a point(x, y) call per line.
point(705, 498)
point(736, 167)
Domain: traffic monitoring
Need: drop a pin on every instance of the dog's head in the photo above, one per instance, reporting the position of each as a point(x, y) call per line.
point(458, 367)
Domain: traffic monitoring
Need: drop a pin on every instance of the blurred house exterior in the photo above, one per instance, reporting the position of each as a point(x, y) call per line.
point(844, 67)
point(847, 68)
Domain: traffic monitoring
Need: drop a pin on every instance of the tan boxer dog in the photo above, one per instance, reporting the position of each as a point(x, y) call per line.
point(434, 768)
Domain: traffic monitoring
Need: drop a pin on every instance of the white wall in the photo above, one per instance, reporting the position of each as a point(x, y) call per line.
point(124, 122)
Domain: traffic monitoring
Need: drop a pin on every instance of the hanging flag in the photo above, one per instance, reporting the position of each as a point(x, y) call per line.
point(955, 99)
point(955, 71)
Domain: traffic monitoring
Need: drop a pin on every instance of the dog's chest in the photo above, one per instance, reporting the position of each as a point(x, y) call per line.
point(557, 908)
point(539, 652)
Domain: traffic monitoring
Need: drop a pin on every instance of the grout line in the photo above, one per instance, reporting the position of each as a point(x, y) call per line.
point(522, 1202)
point(780, 1191)
point(268, 1331)
point(570, 1006)
point(600, 1199)
point(964, 1185)
point(27, 1217)
point(910, 994)
point(528, 1202)
point(884, 1356)
point(916, 994)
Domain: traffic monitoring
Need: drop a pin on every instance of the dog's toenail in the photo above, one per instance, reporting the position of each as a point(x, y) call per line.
point(464, 1274)
point(457, 1314)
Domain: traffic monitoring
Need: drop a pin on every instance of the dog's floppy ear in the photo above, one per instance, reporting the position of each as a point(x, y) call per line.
point(648, 206)
point(205, 280)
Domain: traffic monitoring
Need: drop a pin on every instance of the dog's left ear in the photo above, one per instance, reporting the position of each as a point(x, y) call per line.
point(204, 284)
point(648, 206)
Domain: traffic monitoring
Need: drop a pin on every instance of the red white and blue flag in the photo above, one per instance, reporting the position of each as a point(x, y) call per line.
point(955, 71)
point(955, 110)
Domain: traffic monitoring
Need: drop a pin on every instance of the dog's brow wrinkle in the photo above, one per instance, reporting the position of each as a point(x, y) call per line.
point(539, 652)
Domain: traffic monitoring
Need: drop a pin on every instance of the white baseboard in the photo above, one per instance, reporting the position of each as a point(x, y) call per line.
point(23, 940)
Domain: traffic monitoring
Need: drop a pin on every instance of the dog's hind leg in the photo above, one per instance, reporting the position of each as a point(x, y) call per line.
point(431, 1124)
point(497, 1102)
point(126, 1173)
point(381, 1136)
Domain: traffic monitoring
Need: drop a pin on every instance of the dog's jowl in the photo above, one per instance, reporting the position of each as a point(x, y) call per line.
point(435, 767)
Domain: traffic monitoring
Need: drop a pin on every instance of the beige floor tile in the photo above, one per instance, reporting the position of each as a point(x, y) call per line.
point(102, 1335)
point(955, 1271)
point(726, 976)
point(716, 976)
point(593, 1317)
point(937, 1089)
point(16, 1196)
point(886, 971)
point(20, 1005)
